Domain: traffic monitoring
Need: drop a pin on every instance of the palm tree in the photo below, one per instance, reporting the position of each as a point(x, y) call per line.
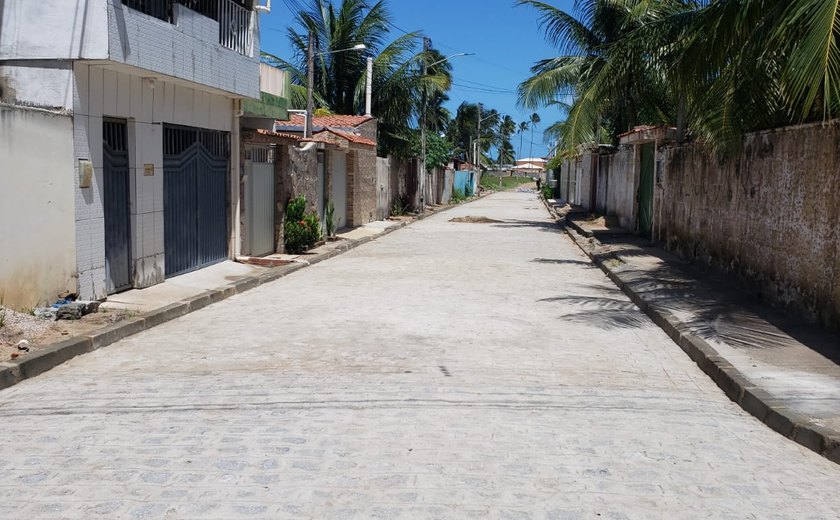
point(507, 127)
point(340, 77)
point(535, 120)
point(523, 127)
point(611, 86)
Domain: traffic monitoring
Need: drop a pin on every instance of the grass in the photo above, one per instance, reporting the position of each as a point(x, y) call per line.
point(492, 183)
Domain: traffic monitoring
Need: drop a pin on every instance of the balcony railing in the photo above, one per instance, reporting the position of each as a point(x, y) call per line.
point(235, 29)
point(235, 20)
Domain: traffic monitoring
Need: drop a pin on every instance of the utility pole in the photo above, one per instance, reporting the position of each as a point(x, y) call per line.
point(478, 143)
point(310, 77)
point(427, 46)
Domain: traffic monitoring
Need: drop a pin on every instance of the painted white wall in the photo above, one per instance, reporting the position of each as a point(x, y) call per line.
point(38, 241)
point(54, 29)
point(102, 93)
point(38, 84)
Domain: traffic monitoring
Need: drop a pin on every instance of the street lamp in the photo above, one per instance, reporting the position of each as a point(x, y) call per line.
point(422, 169)
point(310, 73)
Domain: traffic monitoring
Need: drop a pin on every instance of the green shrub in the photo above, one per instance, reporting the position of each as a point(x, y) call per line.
point(329, 219)
point(301, 230)
point(546, 192)
point(400, 206)
point(458, 196)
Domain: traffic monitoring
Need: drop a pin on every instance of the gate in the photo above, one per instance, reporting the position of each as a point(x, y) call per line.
point(259, 199)
point(115, 204)
point(195, 193)
point(646, 190)
point(338, 162)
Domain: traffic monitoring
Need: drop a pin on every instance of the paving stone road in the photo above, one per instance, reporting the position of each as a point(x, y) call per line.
point(448, 370)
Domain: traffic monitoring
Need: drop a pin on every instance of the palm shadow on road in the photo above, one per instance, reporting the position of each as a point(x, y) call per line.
point(602, 312)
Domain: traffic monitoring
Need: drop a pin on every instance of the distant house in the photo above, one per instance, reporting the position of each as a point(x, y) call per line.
point(530, 165)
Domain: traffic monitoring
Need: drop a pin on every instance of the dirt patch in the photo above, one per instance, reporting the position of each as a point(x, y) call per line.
point(40, 333)
point(475, 220)
point(598, 221)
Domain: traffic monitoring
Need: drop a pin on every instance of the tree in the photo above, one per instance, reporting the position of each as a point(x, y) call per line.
point(535, 120)
point(340, 77)
point(612, 87)
point(507, 127)
point(523, 127)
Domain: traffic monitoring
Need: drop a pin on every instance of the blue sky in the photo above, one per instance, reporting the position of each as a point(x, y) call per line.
point(506, 40)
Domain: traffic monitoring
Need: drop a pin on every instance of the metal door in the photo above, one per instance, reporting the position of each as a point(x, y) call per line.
point(116, 206)
point(645, 219)
point(259, 199)
point(195, 195)
point(338, 161)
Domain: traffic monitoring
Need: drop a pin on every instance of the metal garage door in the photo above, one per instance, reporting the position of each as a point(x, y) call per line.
point(259, 199)
point(115, 205)
point(195, 193)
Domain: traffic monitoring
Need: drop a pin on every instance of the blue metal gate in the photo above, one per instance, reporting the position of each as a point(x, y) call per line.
point(115, 205)
point(195, 197)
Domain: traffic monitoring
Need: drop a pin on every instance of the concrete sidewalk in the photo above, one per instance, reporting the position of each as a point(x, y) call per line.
point(780, 369)
point(229, 273)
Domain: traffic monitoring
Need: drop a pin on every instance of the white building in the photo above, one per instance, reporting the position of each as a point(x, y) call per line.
point(117, 121)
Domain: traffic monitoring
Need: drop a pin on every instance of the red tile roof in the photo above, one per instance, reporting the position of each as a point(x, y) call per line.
point(323, 121)
point(319, 137)
point(284, 135)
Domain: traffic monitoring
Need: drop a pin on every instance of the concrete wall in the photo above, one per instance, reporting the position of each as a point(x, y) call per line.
point(53, 29)
point(187, 49)
point(102, 92)
point(621, 172)
point(38, 241)
point(771, 214)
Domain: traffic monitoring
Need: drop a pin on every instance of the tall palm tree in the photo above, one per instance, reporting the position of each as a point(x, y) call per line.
point(610, 87)
point(535, 120)
point(340, 78)
point(523, 127)
point(507, 127)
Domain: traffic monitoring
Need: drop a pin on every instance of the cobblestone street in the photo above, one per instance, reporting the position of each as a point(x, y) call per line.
point(447, 370)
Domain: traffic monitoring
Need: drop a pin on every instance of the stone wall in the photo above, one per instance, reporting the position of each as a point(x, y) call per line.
point(770, 214)
point(365, 187)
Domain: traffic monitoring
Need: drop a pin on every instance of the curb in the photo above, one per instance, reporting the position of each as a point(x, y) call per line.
point(753, 399)
point(36, 363)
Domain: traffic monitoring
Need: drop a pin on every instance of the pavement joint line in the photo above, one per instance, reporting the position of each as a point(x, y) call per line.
point(736, 386)
point(53, 355)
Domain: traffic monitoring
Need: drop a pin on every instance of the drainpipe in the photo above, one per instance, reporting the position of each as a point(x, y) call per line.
point(369, 89)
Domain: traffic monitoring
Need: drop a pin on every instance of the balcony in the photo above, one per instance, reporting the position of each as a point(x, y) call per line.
point(234, 17)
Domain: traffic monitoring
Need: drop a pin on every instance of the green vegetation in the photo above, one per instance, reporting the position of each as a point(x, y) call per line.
point(301, 229)
point(458, 195)
point(401, 206)
point(398, 81)
point(715, 69)
point(329, 219)
point(489, 182)
point(438, 149)
point(546, 192)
